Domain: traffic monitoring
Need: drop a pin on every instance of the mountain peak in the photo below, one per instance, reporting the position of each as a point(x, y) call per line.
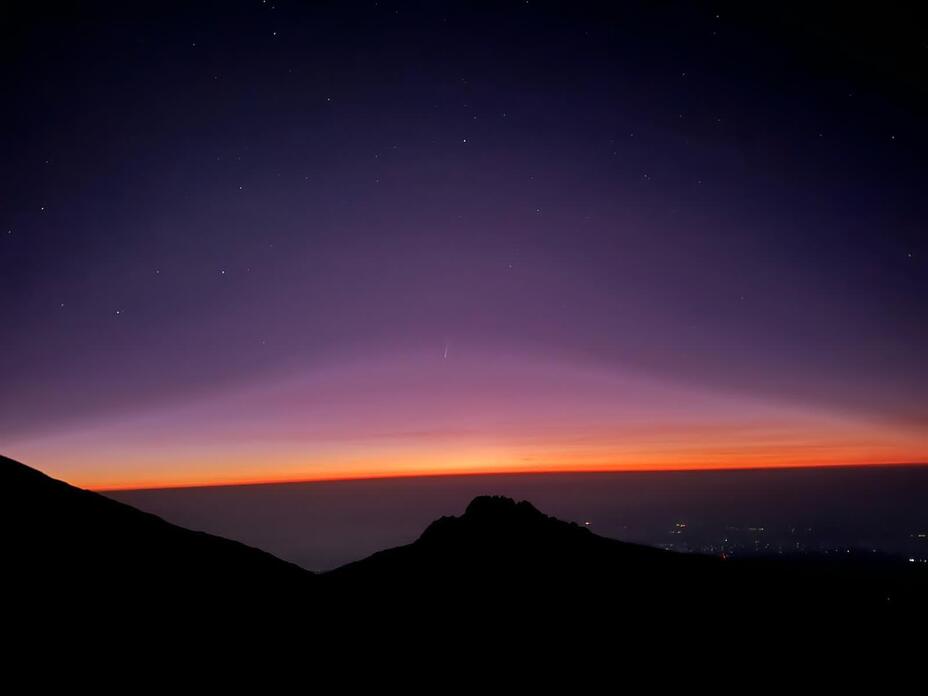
point(497, 519)
point(493, 507)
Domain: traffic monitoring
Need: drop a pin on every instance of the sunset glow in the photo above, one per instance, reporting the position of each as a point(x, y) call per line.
point(471, 415)
point(458, 239)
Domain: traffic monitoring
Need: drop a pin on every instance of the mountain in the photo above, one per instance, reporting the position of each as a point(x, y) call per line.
point(67, 548)
point(78, 548)
point(500, 545)
point(508, 559)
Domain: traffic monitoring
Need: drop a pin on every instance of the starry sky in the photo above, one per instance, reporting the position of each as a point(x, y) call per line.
point(266, 241)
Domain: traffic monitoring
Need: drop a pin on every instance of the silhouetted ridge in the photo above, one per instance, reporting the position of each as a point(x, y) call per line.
point(493, 519)
point(508, 555)
point(499, 506)
point(77, 543)
point(501, 548)
point(74, 547)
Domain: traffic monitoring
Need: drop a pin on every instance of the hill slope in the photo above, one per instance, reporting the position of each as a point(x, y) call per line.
point(79, 547)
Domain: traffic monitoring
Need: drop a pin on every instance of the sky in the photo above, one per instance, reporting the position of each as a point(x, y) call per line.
point(268, 241)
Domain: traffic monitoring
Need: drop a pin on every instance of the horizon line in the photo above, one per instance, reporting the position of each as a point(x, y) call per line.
point(507, 472)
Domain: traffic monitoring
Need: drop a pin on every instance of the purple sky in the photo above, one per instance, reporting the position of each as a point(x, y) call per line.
point(249, 240)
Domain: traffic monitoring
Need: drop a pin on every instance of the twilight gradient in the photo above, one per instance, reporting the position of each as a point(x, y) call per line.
point(249, 242)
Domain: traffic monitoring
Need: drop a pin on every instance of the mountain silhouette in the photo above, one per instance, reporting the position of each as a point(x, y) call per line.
point(68, 548)
point(75, 546)
point(510, 559)
point(498, 542)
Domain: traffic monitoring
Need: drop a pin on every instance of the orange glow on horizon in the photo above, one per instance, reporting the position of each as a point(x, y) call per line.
point(476, 471)
point(413, 419)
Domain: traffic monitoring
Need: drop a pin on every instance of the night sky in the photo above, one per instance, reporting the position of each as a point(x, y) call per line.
point(259, 241)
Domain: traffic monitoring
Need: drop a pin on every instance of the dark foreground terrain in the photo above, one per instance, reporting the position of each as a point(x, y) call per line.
point(73, 553)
